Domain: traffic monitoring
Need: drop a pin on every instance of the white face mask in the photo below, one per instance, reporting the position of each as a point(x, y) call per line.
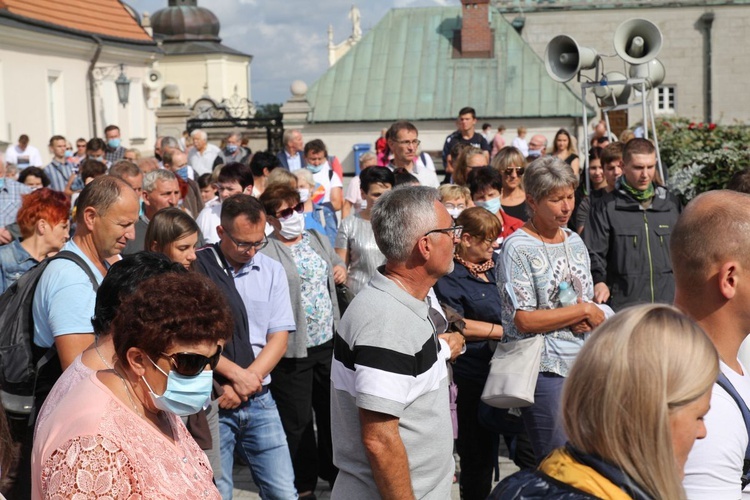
point(363, 204)
point(292, 226)
point(304, 195)
point(455, 212)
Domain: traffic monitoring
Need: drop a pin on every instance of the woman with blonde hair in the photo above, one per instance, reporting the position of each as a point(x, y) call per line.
point(468, 159)
point(564, 147)
point(632, 408)
point(512, 165)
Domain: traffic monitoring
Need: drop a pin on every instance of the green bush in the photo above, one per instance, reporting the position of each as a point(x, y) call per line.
point(700, 157)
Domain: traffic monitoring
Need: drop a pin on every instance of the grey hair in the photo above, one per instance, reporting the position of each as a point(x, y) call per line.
point(288, 134)
point(305, 175)
point(400, 217)
point(235, 133)
point(546, 174)
point(150, 179)
point(199, 133)
point(367, 156)
point(170, 142)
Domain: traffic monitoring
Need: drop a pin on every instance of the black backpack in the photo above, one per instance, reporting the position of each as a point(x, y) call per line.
point(18, 368)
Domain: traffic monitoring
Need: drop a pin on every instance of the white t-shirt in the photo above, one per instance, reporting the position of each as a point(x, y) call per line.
point(714, 466)
point(327, 182)
point(207, 220)
point(29, 157)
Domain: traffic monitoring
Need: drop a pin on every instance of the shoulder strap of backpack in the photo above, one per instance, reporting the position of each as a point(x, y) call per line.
point(725, 384)
point(424, 160)
point(74, 257)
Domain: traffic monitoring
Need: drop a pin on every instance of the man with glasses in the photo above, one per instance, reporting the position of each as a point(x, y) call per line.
point(403, 142)
point(234, 178)
point(389, 398)
point(249, 421)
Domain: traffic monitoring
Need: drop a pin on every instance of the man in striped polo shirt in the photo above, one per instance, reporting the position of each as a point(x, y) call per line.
point(389, 398)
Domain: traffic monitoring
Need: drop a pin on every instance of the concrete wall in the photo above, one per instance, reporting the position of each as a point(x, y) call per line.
point(44, 90)
point(682, 52)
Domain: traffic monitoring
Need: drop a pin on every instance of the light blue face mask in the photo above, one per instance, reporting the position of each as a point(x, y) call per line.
point(184, 395)
point(183, 172)
point(314, 169)
point(493, 205)
point(2, 182)
point(231, 148)
point(113, 143)
point(68, 153)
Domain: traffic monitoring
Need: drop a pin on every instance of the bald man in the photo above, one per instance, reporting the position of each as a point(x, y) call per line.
point(712, 277)
point(537, 146)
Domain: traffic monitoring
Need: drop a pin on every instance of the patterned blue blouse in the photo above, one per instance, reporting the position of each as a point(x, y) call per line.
point(316, 300)
point(531, 275)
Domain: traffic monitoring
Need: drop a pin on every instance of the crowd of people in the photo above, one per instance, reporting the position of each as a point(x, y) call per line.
point(221, 305)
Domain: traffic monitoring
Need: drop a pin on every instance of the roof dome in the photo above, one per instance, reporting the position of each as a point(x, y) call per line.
point(184, 20)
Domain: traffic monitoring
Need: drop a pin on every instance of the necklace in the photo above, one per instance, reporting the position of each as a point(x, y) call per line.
point(544, 245)
point(127, 392)
point(96, 346)
point(398, 282)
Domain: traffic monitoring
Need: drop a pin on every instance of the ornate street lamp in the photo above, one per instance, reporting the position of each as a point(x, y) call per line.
point(123, 87)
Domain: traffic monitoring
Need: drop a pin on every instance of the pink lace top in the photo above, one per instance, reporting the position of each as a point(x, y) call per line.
point(92, 445)
point(76, 372)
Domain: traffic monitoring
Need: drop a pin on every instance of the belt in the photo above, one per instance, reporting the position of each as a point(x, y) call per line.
point(261, 392)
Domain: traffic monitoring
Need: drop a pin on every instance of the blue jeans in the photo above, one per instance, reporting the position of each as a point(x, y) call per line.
point(254, 430)
point(542, 419)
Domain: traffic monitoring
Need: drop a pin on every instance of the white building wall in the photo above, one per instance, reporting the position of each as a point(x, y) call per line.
point(682, 51)
point(221, 72)
point(44, 90)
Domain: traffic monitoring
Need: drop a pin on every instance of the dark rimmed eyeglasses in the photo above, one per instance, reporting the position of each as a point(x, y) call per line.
point(287, 212)
point(518, 170)
point(456, 230)
point(244, 246)
point(191, 364)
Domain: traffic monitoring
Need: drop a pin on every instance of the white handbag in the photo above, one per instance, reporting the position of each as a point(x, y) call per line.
point(514, 369)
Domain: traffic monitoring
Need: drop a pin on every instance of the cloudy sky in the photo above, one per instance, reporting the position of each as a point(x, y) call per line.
point(288, 39)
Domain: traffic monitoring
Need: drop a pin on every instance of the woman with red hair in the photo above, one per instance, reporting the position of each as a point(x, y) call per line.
point(43, 221)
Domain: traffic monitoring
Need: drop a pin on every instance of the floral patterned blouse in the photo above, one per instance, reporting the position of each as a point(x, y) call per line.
point(531, 275)
point(316, 299)
point(95, 446)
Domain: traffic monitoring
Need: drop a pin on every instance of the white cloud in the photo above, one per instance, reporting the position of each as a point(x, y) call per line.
point(288, 40)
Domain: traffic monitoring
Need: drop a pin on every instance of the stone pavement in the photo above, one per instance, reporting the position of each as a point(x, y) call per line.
point(245, 489)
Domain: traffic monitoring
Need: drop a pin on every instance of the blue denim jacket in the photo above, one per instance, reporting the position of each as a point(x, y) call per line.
point(323, 220)
point(14, 261)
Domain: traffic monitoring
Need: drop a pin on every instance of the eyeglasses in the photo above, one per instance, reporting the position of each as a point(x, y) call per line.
point(244, 246)
point(478, 166)
point(456, 230)
point(191, 364)
point(451, 206)
point(287, 212)
point(518, 170)
point(415, 143)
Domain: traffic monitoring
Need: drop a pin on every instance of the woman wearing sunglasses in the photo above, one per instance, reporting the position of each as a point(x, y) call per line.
point(511, 164)
point(301, 380)
point(118, 433)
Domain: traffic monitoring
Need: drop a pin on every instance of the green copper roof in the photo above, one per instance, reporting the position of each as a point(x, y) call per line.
point(552, 5)
point(403, 69)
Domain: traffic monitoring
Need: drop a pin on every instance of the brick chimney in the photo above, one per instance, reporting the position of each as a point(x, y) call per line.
point(475, 39)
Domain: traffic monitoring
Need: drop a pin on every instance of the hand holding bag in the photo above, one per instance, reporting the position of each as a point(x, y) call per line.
point(514, 369)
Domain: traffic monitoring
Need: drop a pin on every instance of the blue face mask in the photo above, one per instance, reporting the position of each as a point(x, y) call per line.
point(97, 158)
point(114, 143)
point(184, 395)
point(68, 153)
point(183, 172)
point(2, 182)
point(492, 205)
point(231, 148)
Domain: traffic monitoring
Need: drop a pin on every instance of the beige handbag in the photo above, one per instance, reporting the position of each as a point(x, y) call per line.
point(514, 369)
